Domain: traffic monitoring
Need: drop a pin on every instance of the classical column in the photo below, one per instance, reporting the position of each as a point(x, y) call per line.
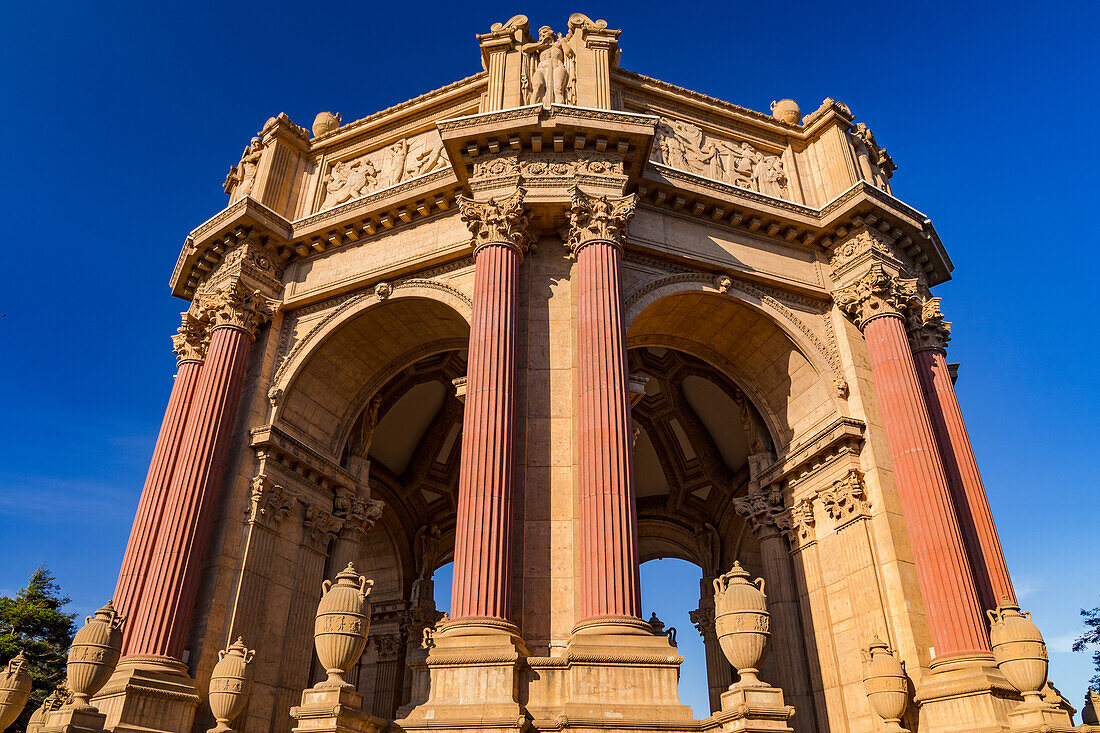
point(929, 334)
point(164, 612)
point(763, 512)
point(877, 301)
point(359, 514)
point(483, 542)
point(189, 345)
point(608, 541)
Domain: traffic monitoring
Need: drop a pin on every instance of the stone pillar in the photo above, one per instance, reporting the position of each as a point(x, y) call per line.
point(763, 510)
point(189, 345)
point(163, 619)
point(929, 334)
point(608, 537)
point(359, 514)
point(877, 302)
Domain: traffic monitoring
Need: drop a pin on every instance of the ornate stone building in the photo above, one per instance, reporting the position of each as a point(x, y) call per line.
point(548, 322)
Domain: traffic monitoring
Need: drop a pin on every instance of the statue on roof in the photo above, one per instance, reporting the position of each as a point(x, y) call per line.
point(549, 69)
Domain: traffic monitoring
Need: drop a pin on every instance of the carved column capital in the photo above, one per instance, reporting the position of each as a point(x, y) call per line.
point(500, 220)
point(233, 304)
point(191, 339)
point(390, 647)
point(927, 327)
point(799, 524)
point(358, 513)
point(762, 510)
point(703, 620)
point(595, 218)
point(846, 499)
point(320, 528)
point(877, 293)
point(268, 503)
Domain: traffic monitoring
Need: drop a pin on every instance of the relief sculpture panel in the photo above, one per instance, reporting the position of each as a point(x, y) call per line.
point(686, 147)
point(405, 159)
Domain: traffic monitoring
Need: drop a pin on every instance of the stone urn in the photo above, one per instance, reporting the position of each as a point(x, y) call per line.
point(786, 110)
point(94, 654)
point(343, 619)
point(52, 702)
point(15, 688)
point(886, 684)
point(742, 623)
point(1019, 650)
point(230, 683)
point(326, 122)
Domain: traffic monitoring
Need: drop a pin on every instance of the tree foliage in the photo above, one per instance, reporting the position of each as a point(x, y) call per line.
point(34, 622)
point(1091, 637)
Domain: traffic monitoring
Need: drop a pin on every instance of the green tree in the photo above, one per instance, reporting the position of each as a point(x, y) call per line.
point(1091, 637)
point(33, 622)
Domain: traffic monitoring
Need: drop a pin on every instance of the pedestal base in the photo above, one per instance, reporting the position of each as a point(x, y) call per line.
point(753, 709)
point(474, 671)
point(1040, 719)
point(74, 720)
point(334, 710)
point(149, 695)
point(966, 695)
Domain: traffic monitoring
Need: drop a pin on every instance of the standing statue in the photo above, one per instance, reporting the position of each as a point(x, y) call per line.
point(550, 69)
point(393, 165)
point(242, 176)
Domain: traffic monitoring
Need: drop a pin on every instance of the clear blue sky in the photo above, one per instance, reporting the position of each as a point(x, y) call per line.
point(122, 121)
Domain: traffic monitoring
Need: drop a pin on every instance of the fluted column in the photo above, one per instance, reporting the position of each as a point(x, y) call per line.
point(608, 547)
point(164, 612)
point(877, 302)
point(483, 545)
point(189, 345)
point(929, 334)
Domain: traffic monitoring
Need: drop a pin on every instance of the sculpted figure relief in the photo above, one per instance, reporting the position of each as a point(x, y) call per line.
point(686, 147)
point(350, 180)
point(242, 177)
point(550, 70)
point(399, 162)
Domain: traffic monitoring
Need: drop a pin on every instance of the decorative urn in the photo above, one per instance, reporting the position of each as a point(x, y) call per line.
point(1019, 650)
point(52, 702)
point(326, 122)
point(15, 688)
point(742, 623)
point(787, 111)
point(343, 619)
point(230, 683)
point(886, 684)
point(94, 654)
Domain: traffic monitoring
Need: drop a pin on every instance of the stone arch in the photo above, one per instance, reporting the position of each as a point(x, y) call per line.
point(330, 374)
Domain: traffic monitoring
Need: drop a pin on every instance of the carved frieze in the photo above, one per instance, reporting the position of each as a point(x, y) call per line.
point(927, 327)
point(269, 503)
point(191, 338)
point(868, 245)
point(595, 218)
point(236, 305)
point(846, 499)
point(378, 169)
point(548, 165)
point(500, 220)
point(688, 148)
point(876, 293)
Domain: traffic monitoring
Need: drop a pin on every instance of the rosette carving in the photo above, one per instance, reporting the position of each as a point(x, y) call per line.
point(877, 293)
point(500, 220)
point(927, 327)
point(598, 218)
point(191, 339)
point(237, 306)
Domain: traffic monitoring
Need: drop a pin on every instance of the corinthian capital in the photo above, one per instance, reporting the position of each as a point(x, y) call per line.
point(234, 304)
point(496, 221)
point(191, 339)
point(598, 219)
point(927, 327)
point(268, 503)
point(846, 499)
point(877, 293)
point(359, 513)
point(762, 510)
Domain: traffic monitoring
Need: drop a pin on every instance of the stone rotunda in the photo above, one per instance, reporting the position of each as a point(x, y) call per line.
point(549, 322)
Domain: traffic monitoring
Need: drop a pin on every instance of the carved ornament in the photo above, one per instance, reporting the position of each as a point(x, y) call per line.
point(191, 340)
point(599, 219)
point(762, 510)
point(927, 327)
point(268, 503)
point(241, 179)
point(401, 161)
point(389, 647)
point(235, 305)
point(320, 528)
point(358, 513)
point(500, 220)
point(846, 499)
point(877, 293)
point(798, 523)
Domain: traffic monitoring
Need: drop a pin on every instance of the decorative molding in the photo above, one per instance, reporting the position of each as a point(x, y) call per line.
point(596, 218)
point(191, 340)
point(235, 305)
point(846, 499)
point(269, 503)
point(877, 293)
point(500, 220)
point(927, 328)
point(320, 528)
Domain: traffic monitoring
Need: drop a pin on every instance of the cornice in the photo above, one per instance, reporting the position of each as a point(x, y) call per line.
point(808, 454)
point(300, 459)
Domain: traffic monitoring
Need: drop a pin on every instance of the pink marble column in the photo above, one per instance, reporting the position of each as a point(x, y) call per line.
point(608, 547)
point(190, 348)
point(163, 618)
point(929, 334)
point(483, 537)
point(955, 617)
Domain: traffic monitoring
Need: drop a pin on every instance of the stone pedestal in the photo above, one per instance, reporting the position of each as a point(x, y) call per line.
point(965, 694)
point(334, 710)
point(474, 667)
point(74, 720)
point(754, 709)
point(148, 693)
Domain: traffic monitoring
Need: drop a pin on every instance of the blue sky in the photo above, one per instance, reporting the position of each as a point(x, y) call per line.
point(122, 121)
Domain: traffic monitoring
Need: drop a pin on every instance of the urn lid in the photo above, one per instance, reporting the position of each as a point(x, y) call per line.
point(878, 644)
point(737, 574)
point(348, 577)
point(17, 664)
point(238, 649)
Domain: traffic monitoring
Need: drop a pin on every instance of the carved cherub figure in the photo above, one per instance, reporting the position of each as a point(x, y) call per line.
point(551, 75)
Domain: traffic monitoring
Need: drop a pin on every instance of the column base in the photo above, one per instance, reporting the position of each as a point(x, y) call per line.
point(474, 672)
point(965, 694)
point(752, 709)
point(74, 720)
point(149, 694)
point(334, 710)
